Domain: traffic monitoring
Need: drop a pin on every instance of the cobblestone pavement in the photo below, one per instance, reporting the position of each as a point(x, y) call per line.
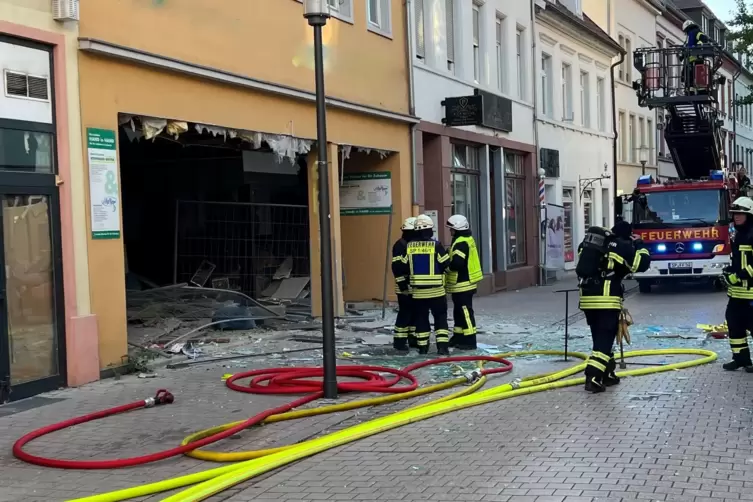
point(690, 440)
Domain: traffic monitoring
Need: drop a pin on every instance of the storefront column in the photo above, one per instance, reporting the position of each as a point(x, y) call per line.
point(314, 235)
point(485, 201)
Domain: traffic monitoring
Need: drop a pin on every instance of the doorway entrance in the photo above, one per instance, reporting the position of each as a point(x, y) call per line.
point(32, 351)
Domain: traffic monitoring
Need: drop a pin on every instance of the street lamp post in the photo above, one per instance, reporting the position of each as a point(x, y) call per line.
point(643, 152)
point(317, 13)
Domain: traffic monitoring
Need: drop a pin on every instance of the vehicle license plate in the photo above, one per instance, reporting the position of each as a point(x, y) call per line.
point(681, 264)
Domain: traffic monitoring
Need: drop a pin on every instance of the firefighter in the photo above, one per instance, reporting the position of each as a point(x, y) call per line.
point(463, 273)
point(694, 37)
point(427, 260)
point(739, 279)
point(605, 258)
point(405, 332)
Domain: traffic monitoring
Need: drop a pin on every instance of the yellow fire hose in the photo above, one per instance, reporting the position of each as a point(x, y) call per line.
point(214, 481)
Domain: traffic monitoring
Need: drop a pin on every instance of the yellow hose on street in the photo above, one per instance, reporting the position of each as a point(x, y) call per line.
point(216, 480)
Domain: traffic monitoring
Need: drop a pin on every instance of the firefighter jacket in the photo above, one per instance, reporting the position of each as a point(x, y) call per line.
point(399, 267)
point(425, 261)
point(739, 275)
point(464, 269)
point(695, 38)
point(605, 293)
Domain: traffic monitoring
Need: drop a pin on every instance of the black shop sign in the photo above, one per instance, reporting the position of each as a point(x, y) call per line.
point(481, 109)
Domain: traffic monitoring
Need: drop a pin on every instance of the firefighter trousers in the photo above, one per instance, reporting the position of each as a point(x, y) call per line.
point(464, 329)
point(604, 324)
point(739, 317)
point(405, 328)
point(422, 307)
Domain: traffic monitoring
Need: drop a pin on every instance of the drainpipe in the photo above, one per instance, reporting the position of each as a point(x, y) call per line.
point(614, 126)
point(734, 115)
point(411, 100)
point(542, 257)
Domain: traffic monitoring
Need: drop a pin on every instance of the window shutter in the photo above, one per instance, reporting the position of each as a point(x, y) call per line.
point(38, 88)
point(450, 24)
point(16, 84)
point(420, 29)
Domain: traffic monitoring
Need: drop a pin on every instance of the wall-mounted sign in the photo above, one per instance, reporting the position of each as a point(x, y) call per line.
point(366, 193)
point(104, 193)
point(481, 109)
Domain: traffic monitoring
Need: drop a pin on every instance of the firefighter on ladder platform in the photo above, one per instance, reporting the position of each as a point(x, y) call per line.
point(405, 330)
point(694, 37)
point(739, 279)
point(605, 258)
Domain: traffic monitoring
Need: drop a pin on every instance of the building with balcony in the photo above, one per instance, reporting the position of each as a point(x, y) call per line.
point(46, 322)
point(574, 121)
point(475, 149)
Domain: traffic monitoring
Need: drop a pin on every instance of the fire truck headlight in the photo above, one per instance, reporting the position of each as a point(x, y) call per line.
point(661, 248)
point(697, 246)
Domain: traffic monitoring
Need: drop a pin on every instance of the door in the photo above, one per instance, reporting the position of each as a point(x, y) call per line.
point(32, 349)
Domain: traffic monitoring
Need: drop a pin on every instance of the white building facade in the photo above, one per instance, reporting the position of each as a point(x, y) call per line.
point(574, 118)
point(475, 147)
point(633, 24)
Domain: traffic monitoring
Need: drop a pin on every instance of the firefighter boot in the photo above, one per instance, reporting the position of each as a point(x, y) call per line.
point(412, 341)
point(400, 344)
point(443, 348)
point(468, 342)
point(594, 384)
point(596, 367)
point(736, 365)
point(610, 378)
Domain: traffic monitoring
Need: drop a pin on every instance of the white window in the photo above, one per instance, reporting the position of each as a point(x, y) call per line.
point(585, 100)
point(567, 203)
point(379, 16)
point(341, 9)
point(519, 45)
point(632, 142)
point(567, 95)
point(622, 138)
point(641, 132)
point(500, 55)
point(705, 24)
point(476, 45)
point(588, 209)
point(600, 109)
point(546, 85)
point(420, 28)
point(605, 203)
point(628, 59)
point(450, 27)
point(621, 73)
point(651, 131)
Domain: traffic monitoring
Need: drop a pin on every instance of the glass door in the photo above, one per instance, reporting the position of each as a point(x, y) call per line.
point(32, 352)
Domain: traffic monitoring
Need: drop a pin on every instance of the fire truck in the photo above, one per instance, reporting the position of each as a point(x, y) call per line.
point(684, 222)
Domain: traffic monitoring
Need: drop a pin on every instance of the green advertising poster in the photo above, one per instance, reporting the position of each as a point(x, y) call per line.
point(104, 194)
point(366, 193)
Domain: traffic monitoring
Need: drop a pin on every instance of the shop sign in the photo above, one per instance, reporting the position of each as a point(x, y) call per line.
point(366, 193)
point(104, 193)
point(482, 109)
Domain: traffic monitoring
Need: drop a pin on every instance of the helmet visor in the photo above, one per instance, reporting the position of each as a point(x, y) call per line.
point(737, 208)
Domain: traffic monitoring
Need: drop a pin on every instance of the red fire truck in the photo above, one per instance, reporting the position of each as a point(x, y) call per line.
point(685, 222)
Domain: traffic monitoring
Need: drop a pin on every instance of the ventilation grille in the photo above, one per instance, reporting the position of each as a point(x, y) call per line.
point(65, 10)
point(19, 85)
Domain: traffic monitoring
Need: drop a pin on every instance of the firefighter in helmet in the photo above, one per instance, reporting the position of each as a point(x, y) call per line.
point(694, 37)
point(739, 279)
point(604, 259)
point(463, 273)
point(405, 330)
point(427, 261)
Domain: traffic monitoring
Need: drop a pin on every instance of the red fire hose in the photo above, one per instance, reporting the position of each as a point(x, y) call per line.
point(264, 381)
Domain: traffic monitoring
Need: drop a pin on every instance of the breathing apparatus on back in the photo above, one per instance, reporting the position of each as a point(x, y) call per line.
point(592, 262)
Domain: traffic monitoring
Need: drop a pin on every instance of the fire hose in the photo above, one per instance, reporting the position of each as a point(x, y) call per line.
point(255, 463)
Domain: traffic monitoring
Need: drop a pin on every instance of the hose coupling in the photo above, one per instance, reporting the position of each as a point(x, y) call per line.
point(163, 397)
point(149, 402)
point(473, 376)
point(515, 384)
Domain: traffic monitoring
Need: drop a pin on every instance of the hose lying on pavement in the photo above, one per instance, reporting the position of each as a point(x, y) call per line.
point(214, 481)
point(265, 381)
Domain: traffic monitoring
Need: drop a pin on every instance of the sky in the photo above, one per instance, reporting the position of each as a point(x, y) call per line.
point(722, 8)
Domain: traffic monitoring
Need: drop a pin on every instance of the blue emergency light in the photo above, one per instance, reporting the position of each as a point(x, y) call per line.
point(717, 175)
point(697, 246)
point(645, 179)
point(661, 248)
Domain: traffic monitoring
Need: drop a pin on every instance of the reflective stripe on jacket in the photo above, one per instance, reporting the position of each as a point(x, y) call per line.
point(606, 292)
point(464, 270)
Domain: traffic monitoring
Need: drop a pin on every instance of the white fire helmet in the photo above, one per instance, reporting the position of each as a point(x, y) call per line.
point(458, 222)
point(409, 223)
point(688, 24)
point(424, 222)
point(742, 205)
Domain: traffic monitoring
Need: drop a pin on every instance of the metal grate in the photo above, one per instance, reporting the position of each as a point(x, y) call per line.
point(245, 242)
point(38, 88)
point(16, 84)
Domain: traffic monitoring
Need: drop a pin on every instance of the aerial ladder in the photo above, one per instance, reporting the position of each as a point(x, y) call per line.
point(684, 83)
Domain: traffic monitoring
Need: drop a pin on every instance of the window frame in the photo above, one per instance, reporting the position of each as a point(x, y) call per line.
point(585, 99)
point(520, 61)
point(499, 35)
point(419, 28)
point(383, 26)
point(568, 115)
point(450, 35)
point(568, 205)
point(546, 85)
point(515, 184)
point(476, 42)
point(470, 169)
point(600, 108)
